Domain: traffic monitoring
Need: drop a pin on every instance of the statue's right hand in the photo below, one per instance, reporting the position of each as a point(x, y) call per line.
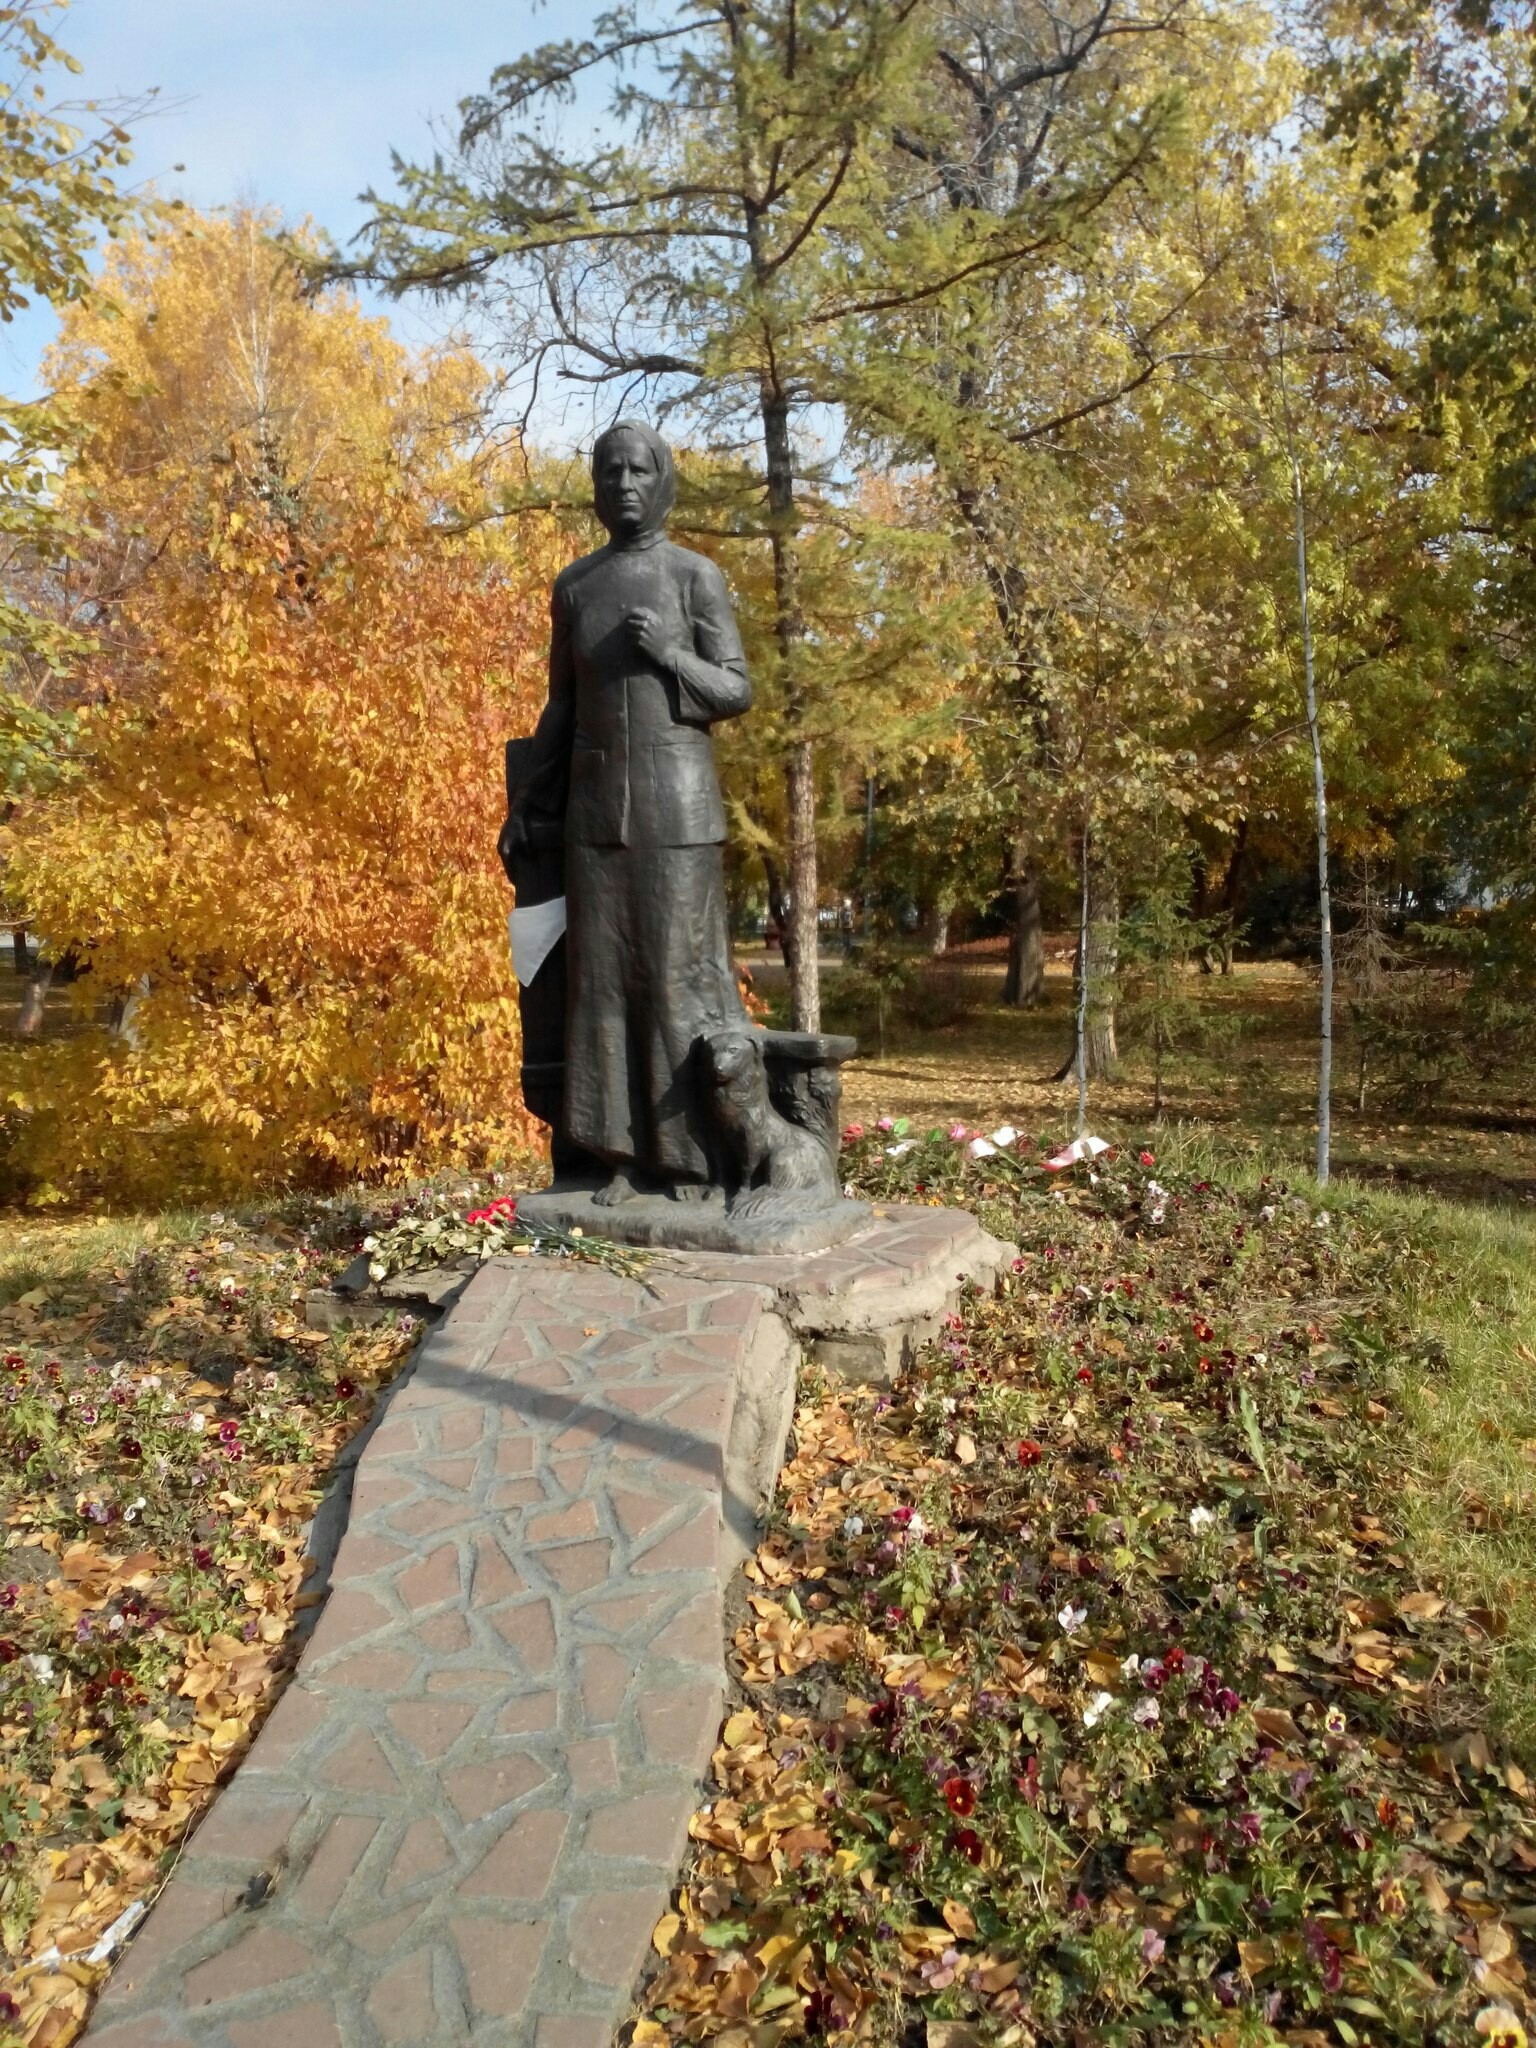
point(511, 842)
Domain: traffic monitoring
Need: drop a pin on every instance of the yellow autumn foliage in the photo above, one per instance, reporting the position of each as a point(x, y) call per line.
point(275, 847)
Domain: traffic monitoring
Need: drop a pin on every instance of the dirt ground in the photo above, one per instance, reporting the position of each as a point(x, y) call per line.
point(1257, 1093)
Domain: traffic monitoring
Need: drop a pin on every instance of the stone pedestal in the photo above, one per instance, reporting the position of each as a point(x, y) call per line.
point(466, 1813)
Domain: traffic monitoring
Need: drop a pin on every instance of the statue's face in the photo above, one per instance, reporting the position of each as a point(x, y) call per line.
point(627, 486)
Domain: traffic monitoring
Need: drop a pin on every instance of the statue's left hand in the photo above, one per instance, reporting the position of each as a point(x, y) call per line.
point(648, 636)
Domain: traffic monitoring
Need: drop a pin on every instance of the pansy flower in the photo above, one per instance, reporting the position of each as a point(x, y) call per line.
point(960, 1796)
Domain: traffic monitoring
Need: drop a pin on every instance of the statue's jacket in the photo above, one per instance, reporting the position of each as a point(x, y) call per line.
point(623, 748)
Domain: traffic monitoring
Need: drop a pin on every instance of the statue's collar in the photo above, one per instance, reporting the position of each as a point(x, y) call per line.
point(636, 544)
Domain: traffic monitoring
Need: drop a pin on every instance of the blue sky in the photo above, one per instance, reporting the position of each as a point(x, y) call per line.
point(291, 103)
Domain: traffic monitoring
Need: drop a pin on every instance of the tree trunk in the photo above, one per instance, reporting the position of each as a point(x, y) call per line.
point(938, 938)
point(800, 937)
point(1230, 890)
point(1102, 969)
point(802, 934)
point(1319, 767)
point(1024, 983)
point(29, 1020)
point(774, 874)
point(19, 952)
point(1094, 1054)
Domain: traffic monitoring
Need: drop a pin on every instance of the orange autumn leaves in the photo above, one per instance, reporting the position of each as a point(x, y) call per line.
point(276, 851)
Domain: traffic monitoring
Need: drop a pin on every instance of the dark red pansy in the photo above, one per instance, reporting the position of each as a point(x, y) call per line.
point(960, 1796)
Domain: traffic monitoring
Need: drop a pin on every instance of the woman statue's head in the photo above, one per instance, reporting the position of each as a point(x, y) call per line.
point(633, 481)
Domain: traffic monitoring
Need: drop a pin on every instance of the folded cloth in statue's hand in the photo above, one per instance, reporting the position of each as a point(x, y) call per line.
point(534, 931)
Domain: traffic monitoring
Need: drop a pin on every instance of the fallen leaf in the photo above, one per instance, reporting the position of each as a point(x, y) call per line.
point(960, 1919)
point(1148, 1865)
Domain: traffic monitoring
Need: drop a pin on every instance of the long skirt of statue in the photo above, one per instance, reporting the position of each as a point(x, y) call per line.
point(650, 976)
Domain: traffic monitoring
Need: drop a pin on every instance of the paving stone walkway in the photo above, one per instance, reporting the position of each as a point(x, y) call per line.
point(463, 1818)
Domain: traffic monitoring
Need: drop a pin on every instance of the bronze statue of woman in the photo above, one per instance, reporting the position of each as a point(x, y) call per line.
point(644, 658)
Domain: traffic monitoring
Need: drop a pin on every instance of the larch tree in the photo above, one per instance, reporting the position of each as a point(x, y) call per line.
point(1046, 143)
point(702, 253)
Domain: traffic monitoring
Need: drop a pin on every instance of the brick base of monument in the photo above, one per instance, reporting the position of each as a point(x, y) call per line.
point(462, 1820)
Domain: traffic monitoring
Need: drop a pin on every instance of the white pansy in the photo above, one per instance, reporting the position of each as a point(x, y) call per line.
point(1071, 1617)
point(917, 1526)
point(900, 1151)
point(981, 1148)
point(1146, 1713)
point(1004, 1134)
point(1097, 1708)
point(197, 1422)
point(1130, 1667)
point(853, 1525)
point(43, 1666)
point(1200, 1518)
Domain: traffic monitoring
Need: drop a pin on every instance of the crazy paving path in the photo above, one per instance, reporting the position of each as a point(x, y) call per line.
point(463, 1818)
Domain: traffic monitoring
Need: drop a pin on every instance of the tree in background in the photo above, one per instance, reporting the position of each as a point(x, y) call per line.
point(280, 846)
point(59, 193)
point(1049, 145)
point(704, 255)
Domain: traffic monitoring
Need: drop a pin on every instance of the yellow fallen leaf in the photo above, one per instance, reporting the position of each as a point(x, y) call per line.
point(664, 1938)
point(1436, 1897)
point(1421, 1606)
point(788, 1813)
point(1148, 1865)
point(1494, 1942)
point(955, 2034)
point(1277, 1723)
point(998, 1976)
point(960, 1919)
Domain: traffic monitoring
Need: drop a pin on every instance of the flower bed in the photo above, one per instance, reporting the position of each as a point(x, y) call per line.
point(166, 1424)
point(1086, 1695)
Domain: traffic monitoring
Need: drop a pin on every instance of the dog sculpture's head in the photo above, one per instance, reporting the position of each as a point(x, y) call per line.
point(732, 1055)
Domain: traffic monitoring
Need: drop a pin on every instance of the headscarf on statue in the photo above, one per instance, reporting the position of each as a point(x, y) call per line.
point(664, 497)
